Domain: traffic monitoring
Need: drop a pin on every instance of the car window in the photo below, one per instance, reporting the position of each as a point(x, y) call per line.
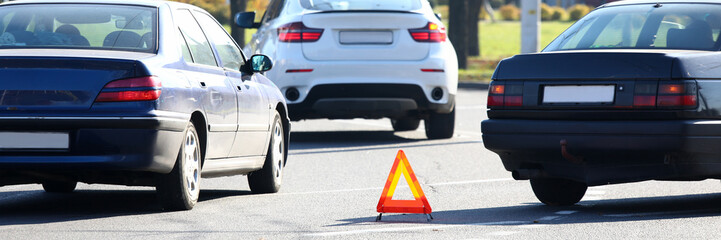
point(198, 44)
point(349, 5)
point(645, 26)
point(226, 48)
point(274, 9)
point(187, 57)
point(87, 26)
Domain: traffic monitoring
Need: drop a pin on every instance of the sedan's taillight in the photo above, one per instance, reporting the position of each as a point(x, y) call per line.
point(132, 89)
point(430, 33)
point(665, 95)
point(298, 32)
point(505, 95)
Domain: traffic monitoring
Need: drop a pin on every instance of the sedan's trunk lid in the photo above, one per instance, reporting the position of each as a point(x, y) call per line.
point(31, 81)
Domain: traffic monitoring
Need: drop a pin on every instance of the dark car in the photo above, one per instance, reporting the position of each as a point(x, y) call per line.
point(631, 92)
point(142, 93)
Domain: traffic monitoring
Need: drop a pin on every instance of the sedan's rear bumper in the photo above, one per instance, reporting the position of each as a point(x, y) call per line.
point(142, 144)
point(601, 152)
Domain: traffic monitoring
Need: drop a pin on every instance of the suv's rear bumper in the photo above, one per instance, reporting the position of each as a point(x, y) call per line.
point(601, 152)
point(338, 101)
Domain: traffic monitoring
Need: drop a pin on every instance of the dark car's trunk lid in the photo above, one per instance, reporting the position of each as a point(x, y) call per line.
point(58, 82)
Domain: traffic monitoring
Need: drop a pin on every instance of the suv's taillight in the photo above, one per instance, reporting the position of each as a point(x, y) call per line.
point(666, 95)
point(298, 32)
point(430, 33)
point(505, 95)
point(132, 89)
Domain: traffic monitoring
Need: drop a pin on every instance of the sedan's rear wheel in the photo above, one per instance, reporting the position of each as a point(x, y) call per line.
point(269, 178)
point(440, 125)
point(405, 124)
point(558, 192)
point(179, 189)
point(59, 186)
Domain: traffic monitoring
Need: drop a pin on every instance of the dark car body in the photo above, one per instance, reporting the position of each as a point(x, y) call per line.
point(57, 90)
point(594, 114)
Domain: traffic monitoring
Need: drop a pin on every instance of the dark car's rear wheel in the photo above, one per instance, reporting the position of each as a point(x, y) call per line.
point(269, 178)
point(179, 189)
point(405, 124)
point(440, 125)
point(558, 192)
point(59, 186)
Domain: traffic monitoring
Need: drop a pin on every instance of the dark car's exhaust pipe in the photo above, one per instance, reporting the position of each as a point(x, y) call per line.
point(526, 174)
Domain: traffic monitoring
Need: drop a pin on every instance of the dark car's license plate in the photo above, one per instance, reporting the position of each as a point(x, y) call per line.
point(579, 94)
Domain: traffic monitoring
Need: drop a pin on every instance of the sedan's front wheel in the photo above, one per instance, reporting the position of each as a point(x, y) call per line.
point(269, 178)
point(179, 189)
point(558, 192)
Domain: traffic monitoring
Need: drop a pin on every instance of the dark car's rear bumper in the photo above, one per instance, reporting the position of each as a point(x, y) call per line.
point(601, 152)
point(142, 144)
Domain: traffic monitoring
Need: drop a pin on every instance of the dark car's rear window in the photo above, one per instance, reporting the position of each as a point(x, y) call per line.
point(82, 26)
point(361, 5)
point(645, 26)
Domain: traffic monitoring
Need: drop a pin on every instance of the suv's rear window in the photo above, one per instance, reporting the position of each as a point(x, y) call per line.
point(645, 26)
point(361, 5)
point(84, 26)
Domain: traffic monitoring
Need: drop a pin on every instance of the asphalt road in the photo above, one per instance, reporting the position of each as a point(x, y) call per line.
point(334, 178)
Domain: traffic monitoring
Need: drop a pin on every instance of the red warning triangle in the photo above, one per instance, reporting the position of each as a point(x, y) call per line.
point(387, 205)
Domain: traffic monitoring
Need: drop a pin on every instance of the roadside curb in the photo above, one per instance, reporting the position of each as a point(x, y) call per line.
point(473, 85)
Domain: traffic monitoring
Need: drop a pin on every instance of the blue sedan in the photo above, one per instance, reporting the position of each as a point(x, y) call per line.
point(138, 93)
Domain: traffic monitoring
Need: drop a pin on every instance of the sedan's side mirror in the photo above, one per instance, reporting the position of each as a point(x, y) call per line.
point(260, 63)
point(439, 16)
point(246, 20)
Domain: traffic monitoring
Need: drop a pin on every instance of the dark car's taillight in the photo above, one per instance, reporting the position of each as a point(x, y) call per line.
point(432, 32)
point(505, 95)
point(666, 95)
point(132, 89)
point(298, 32)
point(677, 95)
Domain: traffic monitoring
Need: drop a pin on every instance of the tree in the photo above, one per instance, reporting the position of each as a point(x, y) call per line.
point(236, 32)
point(458, 30)
point(474, 10)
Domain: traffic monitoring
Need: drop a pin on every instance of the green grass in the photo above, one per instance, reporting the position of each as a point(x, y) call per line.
point(500, 40)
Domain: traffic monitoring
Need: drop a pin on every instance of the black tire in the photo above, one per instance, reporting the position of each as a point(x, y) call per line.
point(179, 189)
point(405, 124)
point(269, 178)
point(558, 192)
point(59, 186)
point(440, 125)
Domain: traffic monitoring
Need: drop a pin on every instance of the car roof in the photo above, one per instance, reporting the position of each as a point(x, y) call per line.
point(632, 2)
point(149, 3)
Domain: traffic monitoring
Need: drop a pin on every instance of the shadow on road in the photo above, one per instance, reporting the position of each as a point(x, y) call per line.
point(350, 141)
point(36, 207)
point(597, 211)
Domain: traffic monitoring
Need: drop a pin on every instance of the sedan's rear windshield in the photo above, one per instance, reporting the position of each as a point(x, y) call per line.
point(361, 5)
point(78, 26)
point(645, 26)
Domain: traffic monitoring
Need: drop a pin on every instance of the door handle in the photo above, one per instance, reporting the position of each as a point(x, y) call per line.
point(239, 88)
point(202, 85)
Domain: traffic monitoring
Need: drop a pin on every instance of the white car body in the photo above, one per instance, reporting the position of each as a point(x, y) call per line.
point(366, 64)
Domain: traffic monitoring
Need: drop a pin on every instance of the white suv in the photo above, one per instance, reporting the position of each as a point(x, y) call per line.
point(341, 59)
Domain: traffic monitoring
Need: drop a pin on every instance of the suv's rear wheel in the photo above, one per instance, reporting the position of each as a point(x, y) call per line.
point(59, 186)
point(440, 125)
point(179, 189)
point(405, 124)
point(558, 192)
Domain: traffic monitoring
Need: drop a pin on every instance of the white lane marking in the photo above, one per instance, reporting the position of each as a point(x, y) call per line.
point(548, 218)
point(380, 188)
point(566, 212)
point(408, 229)
point(471, 182)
